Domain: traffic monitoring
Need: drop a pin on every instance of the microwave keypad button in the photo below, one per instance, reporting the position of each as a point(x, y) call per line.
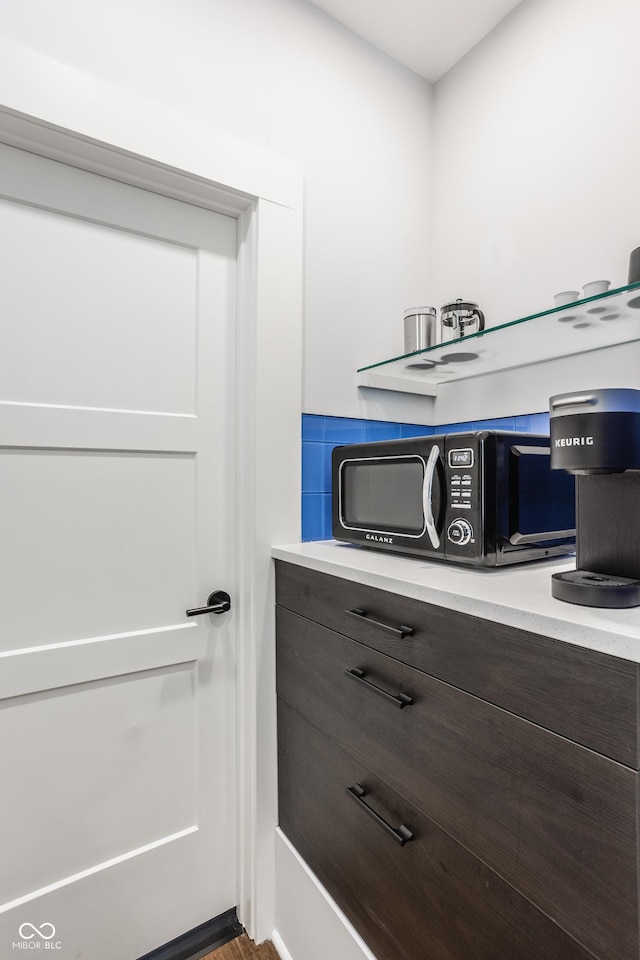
point(460, 532)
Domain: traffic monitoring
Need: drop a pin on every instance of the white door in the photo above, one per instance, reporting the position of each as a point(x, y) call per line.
point(117, 712)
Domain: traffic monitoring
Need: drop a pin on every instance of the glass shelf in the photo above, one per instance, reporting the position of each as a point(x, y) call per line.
point(597, 322)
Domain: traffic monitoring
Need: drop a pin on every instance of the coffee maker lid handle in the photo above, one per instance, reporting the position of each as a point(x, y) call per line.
point(605, 400)
point(567, 400)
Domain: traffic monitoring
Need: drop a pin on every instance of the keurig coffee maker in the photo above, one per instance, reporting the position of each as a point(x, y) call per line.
point(595, 434)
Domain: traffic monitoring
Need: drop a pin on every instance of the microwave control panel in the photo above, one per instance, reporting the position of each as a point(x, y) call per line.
point(463, 497)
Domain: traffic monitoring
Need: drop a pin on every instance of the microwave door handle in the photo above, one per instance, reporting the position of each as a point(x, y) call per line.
point(523, 538)
point(427, 491)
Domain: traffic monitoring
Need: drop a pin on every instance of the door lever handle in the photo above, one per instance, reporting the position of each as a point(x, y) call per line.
point(218, 602)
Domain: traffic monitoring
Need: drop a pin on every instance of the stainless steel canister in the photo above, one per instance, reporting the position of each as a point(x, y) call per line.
point(420, 326)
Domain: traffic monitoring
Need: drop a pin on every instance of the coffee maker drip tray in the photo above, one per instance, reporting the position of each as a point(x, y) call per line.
point(595, 589)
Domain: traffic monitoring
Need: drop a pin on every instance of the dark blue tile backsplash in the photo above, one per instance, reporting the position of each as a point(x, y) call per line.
point(321, 434)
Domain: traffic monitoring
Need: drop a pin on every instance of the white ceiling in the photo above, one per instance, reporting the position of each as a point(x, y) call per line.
point(428, 36)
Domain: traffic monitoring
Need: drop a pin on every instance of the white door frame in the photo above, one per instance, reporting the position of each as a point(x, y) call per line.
point(55, 111)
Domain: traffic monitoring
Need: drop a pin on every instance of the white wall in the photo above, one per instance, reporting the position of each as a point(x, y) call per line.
point(535, 184)
point(536, 157)
point(283, 75)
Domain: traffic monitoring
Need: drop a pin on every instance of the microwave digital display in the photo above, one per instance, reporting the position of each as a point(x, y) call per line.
point(461, 458)
point(384, 494)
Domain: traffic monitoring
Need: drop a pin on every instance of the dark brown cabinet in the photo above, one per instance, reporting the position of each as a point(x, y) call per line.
point(463, 790)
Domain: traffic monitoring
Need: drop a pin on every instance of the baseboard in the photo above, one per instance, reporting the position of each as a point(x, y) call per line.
point(309, 924)
point(201, 940)
point(280, 946)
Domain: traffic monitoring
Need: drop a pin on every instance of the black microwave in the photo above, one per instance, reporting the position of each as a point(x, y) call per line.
point(486, 498)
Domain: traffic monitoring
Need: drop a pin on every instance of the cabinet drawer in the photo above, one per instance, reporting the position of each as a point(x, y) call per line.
point(427, 899)
point(583, 695)
point(555, 819)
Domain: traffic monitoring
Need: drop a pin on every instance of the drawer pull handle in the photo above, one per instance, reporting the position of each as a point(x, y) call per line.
point(402, 631)
point(402, 700)
point(402, 834)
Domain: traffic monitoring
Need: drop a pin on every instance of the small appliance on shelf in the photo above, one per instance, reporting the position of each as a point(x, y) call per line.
point(460, 318)
point(595, 434)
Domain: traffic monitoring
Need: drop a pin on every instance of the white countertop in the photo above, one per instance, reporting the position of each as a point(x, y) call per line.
point(519, 596)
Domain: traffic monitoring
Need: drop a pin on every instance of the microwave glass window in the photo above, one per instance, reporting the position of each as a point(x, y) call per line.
point(546, 497)
point(384, 495)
